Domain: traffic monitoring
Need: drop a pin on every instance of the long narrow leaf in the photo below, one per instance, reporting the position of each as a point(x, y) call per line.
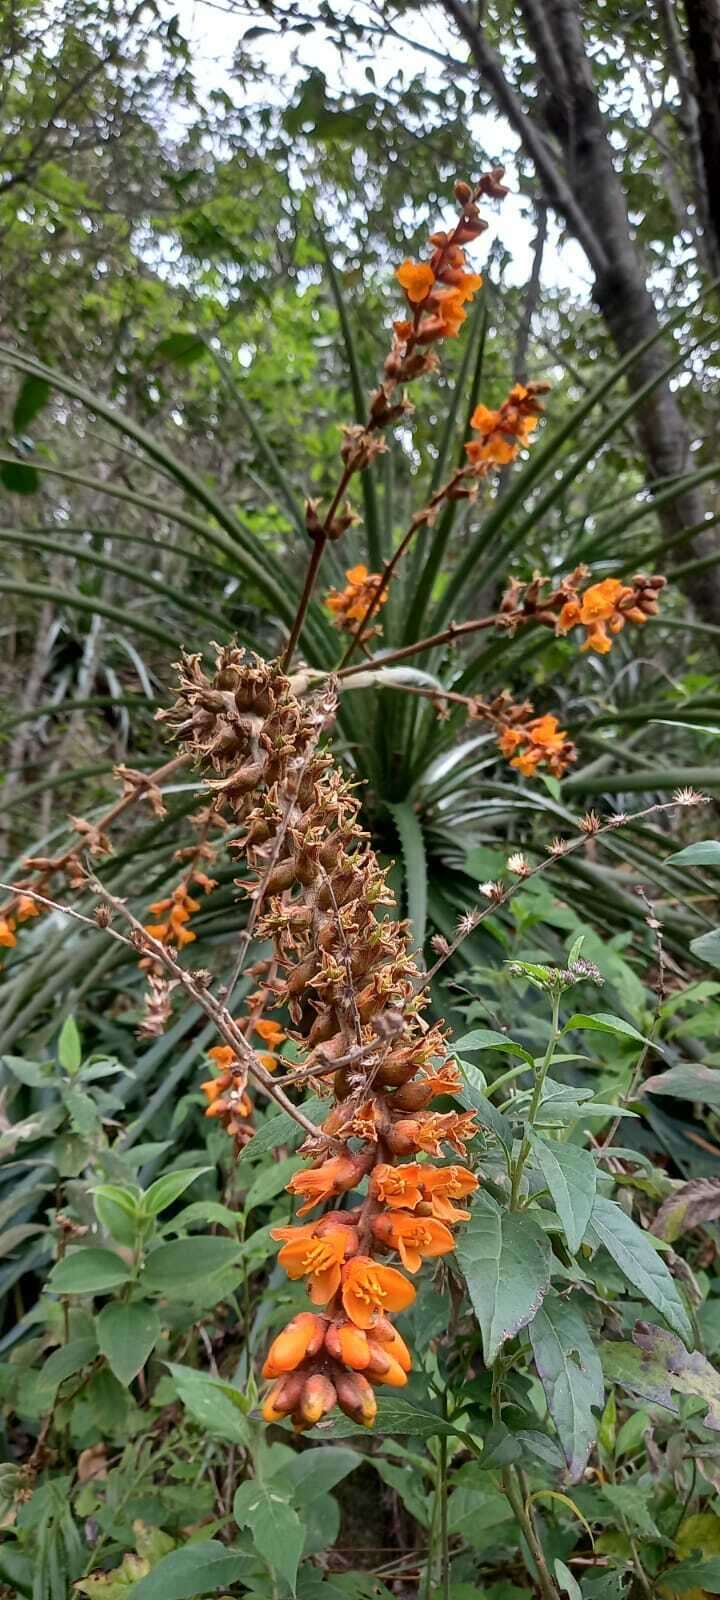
point(360, 405)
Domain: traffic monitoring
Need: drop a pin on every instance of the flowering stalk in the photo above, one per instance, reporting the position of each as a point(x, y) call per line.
point(347, 980)
point(437, 292)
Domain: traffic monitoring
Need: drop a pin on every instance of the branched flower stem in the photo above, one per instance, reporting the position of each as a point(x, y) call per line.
point(217, 1013)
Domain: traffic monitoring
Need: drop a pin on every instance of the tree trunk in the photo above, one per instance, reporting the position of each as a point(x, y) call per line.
point(703, 20)
point(566, 138)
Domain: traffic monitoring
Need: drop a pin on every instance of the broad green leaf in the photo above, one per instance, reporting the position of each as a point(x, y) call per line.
point(88, 1271)
point(198, 1569)
point(282, 1129)
point(687, 1082)
point(707, 947)
point(704, 853)
point(116, 1208)
point(174, 1269)
point(219, 1407)
point(488, 1039)
point(689, 1371)
point(571, 1176)
point(693, 1575)
point(70, 1046)
point(505, 1257)
point(277, 1531)
point(67, 1360)
point(604, 1022)
point(569, 1369)
point(634, 1253)
point(183, 348)
point(82, 1111)
point(632, 1502)
point(315, 1472)
point(18, 476)
point(127, 1335)
point(632, 1369)
point(488, 1115)
point(169, 1188)
point(566, 1582)
point(270, 1180)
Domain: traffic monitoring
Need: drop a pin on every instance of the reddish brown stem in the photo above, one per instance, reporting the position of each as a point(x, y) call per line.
point(448, 636)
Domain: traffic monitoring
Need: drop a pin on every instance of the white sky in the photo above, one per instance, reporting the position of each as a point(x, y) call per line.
point(215, 28)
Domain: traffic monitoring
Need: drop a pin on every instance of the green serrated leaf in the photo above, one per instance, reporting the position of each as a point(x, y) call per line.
point(505, 1258)
point(571, 1176)
point(219, 1407)
point(707, 947)
point(634, 1253)
point(199, 1568)
point(571, 1375)
point(277, 1531)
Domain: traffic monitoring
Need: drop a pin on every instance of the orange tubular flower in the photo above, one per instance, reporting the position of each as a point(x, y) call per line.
point(26, 907)
point(303, 1336)
point(609, 605)
point(7, 933)
point(430, 1131)
point(414, 1238)
point(304, 1255)
point(369, 1288)
point(398, 1187)
point(273, 1036)
point(333, 1177)
point(417, 279)
point(350, 604)
point(442, 1185)
point(503, 433)
point(528, 745)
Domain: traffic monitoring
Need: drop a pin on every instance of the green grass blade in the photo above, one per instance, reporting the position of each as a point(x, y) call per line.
point(412, 845)
point(159, 586)
point(82, 602)
point(359, 390)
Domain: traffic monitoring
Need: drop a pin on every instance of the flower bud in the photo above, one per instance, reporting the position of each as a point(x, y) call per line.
point(356, 1398)
point(317, 1398)
point(379, 1361)
point(348, 1344)
point(463, 192)
point(413, 1096)
point(393, 1343)
point(394, 1374)
point(302, 1337)
point(283, 1397)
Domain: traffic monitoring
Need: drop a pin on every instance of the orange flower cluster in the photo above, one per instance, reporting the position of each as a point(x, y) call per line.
point(22, 909)
point(502, 433)
point(354, 998)
point(608, 606)
point(227, 1094)
point(176, 910)
point(528, 745)
point(349, 605)
point(438, 290)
